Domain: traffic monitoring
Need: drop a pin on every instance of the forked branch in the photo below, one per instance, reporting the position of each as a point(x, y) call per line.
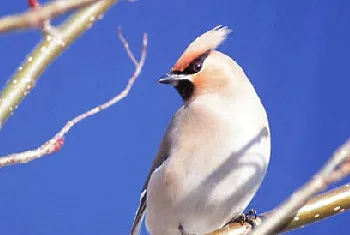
point(52, 45)
point(55, 143)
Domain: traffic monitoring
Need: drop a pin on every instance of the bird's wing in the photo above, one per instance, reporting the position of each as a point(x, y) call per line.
point(158, 161)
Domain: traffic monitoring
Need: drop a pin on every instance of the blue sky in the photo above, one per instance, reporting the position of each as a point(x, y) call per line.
point(296, 53)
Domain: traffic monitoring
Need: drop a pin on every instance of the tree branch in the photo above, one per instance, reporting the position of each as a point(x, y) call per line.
point(335, 169)
point(47, 50)
point(33, 19)
point(318, 208)
point(56, 142)
point(297, 210)
point(44, 25)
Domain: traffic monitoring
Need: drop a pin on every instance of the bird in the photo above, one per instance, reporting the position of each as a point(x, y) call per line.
point(216, 149)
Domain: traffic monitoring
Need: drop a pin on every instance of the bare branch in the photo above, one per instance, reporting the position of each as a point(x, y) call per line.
point(126, 45)
point(26, 76)
point(34, 19)
point(335, 169)
point(320, 207)
point(56, 142)
point(44, 25)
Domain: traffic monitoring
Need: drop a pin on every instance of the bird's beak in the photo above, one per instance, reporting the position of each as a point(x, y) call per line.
point(173, 79)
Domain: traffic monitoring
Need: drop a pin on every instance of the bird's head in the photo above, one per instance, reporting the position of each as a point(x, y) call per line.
point(203, 70)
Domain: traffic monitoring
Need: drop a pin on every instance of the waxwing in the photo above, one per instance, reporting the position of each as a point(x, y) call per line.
point(215, 151)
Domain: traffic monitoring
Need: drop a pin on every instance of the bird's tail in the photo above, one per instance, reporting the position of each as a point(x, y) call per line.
point(140, 214)
point(135, 230)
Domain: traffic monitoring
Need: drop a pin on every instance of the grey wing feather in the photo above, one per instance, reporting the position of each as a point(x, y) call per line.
point(162, 155)
point(140, 213)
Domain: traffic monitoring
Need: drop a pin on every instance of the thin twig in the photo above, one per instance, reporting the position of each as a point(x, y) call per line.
point(126, 45)
point(34, 19)
point(56, 142)
point(334, 170)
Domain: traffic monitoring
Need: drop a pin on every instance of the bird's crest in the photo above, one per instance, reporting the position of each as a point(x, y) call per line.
point(207, 41)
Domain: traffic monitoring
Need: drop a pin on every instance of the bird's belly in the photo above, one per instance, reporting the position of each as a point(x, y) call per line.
point(202, 206)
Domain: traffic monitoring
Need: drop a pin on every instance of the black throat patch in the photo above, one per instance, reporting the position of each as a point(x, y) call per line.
point(185, 88)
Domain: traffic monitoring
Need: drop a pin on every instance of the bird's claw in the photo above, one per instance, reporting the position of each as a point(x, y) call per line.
point(249, 218)
point(252, 214)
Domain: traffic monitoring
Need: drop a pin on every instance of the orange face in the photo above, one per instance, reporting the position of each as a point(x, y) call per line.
point(215, 76)
point(201, 69)
point(208, 73)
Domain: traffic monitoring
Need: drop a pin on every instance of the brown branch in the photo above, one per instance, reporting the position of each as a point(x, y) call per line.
point(297, 210)
point(320, 207)
point(56, 142)
point(335, 169)
point(51, 46)
point(35, 18)
point(44, 25)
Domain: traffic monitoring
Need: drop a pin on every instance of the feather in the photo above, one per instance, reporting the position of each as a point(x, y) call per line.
point(141, 211)
point(207, 41)
point(140, 214)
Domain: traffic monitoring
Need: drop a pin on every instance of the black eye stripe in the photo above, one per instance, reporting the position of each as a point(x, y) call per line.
point(176, 72)
point(195, 66)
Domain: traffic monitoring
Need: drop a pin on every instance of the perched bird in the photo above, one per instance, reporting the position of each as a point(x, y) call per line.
point(215, 151)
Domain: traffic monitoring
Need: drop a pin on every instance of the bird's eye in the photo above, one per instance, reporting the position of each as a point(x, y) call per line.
point(196, 65)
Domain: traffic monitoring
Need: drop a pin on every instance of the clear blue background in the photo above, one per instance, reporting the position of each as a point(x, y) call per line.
point(296, 53)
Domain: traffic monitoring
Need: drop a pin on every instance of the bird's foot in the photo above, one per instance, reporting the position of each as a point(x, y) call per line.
point(249, 218)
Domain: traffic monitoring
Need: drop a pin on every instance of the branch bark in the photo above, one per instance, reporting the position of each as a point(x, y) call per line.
point(33, 19)
point(318, 208)
point(26, 76)
point(297, 211)
point(334, 170)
